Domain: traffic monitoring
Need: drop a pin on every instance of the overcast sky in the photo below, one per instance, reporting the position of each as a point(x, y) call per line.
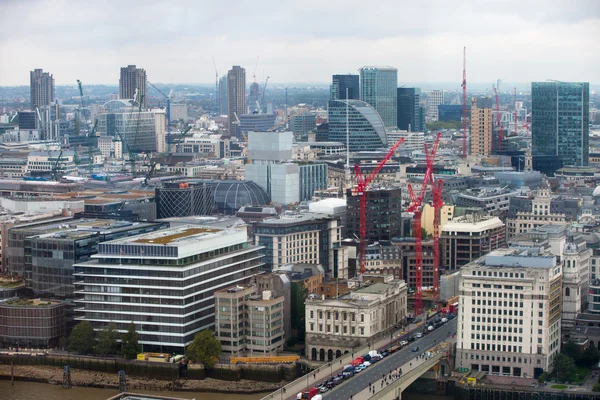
point(300, 41)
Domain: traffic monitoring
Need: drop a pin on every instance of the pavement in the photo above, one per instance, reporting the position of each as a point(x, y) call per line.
point(360, 382)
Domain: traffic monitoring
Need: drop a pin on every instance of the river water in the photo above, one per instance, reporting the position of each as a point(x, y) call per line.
point(43, 391)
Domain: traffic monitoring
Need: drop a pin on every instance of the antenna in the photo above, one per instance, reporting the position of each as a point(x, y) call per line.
point(464, 111)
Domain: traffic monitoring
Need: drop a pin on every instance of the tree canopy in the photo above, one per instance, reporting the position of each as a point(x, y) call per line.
point(82, 340)
point(130, 346)
point(564, 368)
point(205, 349)
point(108, 341)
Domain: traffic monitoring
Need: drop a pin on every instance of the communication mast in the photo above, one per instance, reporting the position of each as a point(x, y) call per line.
point(464, 110)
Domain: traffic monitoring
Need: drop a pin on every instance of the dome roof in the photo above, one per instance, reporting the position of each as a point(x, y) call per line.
point(596, 191)
point(230, 196)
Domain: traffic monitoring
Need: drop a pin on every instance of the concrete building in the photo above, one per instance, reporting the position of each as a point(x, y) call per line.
point(254, 123)
point(470, 237)
point(530, 212)
point(306, 238)
point(249, 321)
point(236, 97)
point(434, 99)
point(378, 87)
point(339, 84)
point(138, 129)
point(205, 145)
point(176, 272)
point(42, 163)
point(160, 123)
point(41, 85)
point(279, 285)
point(384, 219)
point(338, 326)
point(303, 123)
point(179, 111)
point(576, 280)
point(133, 82)
point(413, 141)
point(32, 323)
point(482, 127)
point(509, 313)
point(494, 202)
point(560, 119)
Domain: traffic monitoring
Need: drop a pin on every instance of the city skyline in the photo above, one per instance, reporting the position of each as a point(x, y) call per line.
point(519, 43)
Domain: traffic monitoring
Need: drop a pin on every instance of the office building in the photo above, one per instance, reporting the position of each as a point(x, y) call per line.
point(278, 283)
point(254, 123)
point(494, 202)
point(236, 97)
point(27, 120)
point(452, 112)
point(413, 141)
point(133, 83)
point(366, 129)
point(576, 279)
point(138, 129)
point(384, 219)
point(42, 88)
point(303, 123)
point(38, 323)
point(249, 321)
point(378, 87)
point(281, 181)
point(223, 95)
point(184, 199)
point(46, 163)
point(340, 325)
point(307, 238)
point(533, 211)
point(482, 127)
point(434, 99)
point(410, 113)
point(231, 195)
point(270, 147)
point(509, 313)
point(467, 238)
point(312, 178)
point(164, 282)
point(339, 84)
point(560, 121)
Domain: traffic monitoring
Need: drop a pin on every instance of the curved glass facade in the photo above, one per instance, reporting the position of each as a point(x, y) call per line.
point(366, 128)
point(230, 196)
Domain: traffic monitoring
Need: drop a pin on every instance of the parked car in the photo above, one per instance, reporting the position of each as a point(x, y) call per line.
point(366, 364)
point(403, 343)
point(348, 374)
point(411, 339)
point(323, 389)
point(430, 328)
point(419, 335)
point(415, 349)
point(358, 369)
point(337, 380)
point(444, 320)
point(384, 353)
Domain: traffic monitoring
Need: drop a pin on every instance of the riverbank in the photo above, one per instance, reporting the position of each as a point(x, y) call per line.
point(103, 380)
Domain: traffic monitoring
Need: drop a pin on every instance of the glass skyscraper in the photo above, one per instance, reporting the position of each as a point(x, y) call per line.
point(365, 126)
point(339, 84)
point(378, 87)
point(410, 113)
point(560, 121)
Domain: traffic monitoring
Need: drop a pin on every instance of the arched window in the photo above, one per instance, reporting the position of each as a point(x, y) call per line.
point(567, 292)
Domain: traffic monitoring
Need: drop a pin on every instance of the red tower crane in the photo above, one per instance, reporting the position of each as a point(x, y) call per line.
point(499, 123)
point(437, 187)
point(417, 209)
point(362, 186)
point(464, 110)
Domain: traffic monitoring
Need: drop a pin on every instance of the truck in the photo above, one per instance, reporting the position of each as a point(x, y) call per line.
point(311, 394)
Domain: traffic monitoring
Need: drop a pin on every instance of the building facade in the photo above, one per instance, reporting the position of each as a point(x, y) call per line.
point(184, 199)
point(236, 96)
point(32, 323)
point(137, 129)
point(366, 129)
point(223, 96)
point(336, 326)
point(410, 113)
point(133, 81)
point(481, 127)
point(378, 87)
point(576, 280)
point(384, 209)
point(175, 274)
point(560, 121)
point(42, 88)
point(434, 99)
point(532, 212)
point(339, 84)
point(509, 313)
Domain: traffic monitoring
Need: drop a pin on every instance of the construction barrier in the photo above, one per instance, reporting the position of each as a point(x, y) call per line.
point(264, 360)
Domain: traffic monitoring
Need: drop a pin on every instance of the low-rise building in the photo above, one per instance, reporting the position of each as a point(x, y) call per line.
point(509, 319)
point(249, 321)
point(32, 323)
point(336, 326)
point(492, 202)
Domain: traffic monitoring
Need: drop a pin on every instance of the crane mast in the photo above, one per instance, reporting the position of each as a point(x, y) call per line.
point(464, 110)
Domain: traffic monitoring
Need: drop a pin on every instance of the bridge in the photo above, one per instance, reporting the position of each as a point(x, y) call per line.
point(437, 342)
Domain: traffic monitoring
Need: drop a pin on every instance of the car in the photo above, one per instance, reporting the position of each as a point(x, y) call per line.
point(337, 380)
point(358, 369)
point(366, 357)
point(430, 328)
point(403, 343)
point(348, 374)
point(366, 364)
point(419, 335)
point(323, 389)
point(444, 320)
point(411, 339)
point(384, 353)
point(415, 349)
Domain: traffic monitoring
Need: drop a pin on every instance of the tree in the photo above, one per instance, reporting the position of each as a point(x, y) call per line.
point(590, 356)
point(82, 339)
point(205, 349)
point(63, 342)
point(572, 350)
point(130, 345)
point(542, 378)
point(107, 341)
point(564, 368)
point(596, 387)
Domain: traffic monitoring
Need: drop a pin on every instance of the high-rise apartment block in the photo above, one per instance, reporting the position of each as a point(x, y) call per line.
point(481, 127)
point(434, 99)
point(410, 113)
point(42, 88)
point(339, 84)
point(133, 82)
point(236, 97)
point(560, 121)
point(378, 87)
point(509, 318)
point(164, 282)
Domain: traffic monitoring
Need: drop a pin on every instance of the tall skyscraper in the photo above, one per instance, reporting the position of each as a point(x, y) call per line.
point(223, 95)
point(560, 119)
point(378, 87)
point(410, 113)
point(236, 94)
point(481, 126)
point(132, 78)
point(434, 99)
point(339, 84)
point(42, 88)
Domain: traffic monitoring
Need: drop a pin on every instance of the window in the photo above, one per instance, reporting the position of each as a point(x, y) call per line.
point(362, 317)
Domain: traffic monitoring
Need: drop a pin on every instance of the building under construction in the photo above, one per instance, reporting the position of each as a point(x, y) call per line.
point(184, 199)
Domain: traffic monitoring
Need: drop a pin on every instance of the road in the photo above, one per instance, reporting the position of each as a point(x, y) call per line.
point(374, 373)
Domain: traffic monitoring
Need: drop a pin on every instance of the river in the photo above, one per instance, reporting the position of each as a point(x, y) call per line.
point(35, 391)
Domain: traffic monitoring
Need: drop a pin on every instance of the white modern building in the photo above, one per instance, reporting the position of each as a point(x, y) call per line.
point(164, 282)
point(434, 99)
point(413, 141)
point(509, 319)
point(44, 162)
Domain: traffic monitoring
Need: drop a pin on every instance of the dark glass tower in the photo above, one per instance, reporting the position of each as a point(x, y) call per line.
point(409, 110)
point(339, 85)
point(560, 121)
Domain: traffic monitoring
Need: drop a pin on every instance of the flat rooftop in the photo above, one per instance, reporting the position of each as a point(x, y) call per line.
point(178, 235)
point(285, 219)
point(376, 288)
point(30, 302)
